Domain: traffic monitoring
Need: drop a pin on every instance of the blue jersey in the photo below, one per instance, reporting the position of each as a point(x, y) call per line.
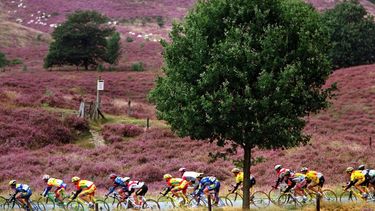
point(22, 188)
point(119, 181)
point(209, 182)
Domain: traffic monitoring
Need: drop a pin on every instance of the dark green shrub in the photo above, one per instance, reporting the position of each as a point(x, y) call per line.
point(138, 66)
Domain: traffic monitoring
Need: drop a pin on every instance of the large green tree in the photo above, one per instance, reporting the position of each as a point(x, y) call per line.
point(245, 72)
point(352, 34)
point(81, 40)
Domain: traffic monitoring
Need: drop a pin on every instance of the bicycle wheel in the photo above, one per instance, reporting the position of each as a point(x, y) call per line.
point(329, 195)
point(36, 206)
point(348, 196)
point(74, 205)
point(223, 201)
point(102, 205)
point(260, 199)
point(286, 200)
point(3, 201)
point(166, 202)
point(112, 201)
point(193, 203)
point(48, 203)
point(235, 198)
point(274, 195)
point(151, 204)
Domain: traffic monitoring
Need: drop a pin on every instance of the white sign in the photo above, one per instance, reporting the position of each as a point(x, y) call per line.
point(100, 85)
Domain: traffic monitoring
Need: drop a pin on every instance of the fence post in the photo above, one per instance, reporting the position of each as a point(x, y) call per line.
point(370, 140)
point(96, 207)
point(318, 202)
point(148, 123)
point(129, 107)
point(209, 203)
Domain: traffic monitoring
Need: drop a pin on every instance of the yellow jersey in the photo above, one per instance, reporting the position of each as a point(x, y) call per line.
point(239, 177)
point(54, 182)
point(313, 176)
point(357, 175)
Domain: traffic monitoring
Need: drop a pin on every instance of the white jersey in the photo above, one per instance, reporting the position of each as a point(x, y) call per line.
point(135, 185)
point(190, 176)
point(371, 172)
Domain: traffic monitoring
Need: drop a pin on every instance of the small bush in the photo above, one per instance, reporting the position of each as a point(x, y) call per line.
point(100, 68)
point(138, 66)
point(115, 132)
point(129, 39)
point(76, 123)
point(160, 21)
point(15, 62)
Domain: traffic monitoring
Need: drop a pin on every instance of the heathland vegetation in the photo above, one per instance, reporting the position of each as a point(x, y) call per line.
point(38, 108)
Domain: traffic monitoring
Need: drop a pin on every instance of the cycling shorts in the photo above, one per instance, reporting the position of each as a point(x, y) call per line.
point(89, 191)
point(215, 186)
point(60, 189)
point(26, 195)
point(320, 183)
point(252, 182)
point(142, 191)
point(301, 185)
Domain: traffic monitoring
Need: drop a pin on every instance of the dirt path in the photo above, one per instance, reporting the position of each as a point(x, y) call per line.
point(97, 139)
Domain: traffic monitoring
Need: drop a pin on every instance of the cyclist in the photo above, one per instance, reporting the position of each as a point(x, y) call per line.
point(53, 182)
point(207, 184)
point(313, 179)
point(238, 174)
point(176, 185)
point(358, 179)
point(118, 182)
point(296, 181)
point(85, 190)
point(137, 189)
point(22, 193)
point(280, 171)
point(369, 175)
point(190, 176)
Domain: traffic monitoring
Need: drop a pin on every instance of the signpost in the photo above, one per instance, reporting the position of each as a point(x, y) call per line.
point(99, 87)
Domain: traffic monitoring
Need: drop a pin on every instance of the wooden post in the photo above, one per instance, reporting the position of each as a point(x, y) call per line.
point(129, 107)
point(148, 123)
point(81, 112)
point(318, 202)
point(209, 203)
point(96, 207)
point(370, 140)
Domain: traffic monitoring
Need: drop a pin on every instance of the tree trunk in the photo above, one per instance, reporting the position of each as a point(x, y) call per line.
point(246, 179)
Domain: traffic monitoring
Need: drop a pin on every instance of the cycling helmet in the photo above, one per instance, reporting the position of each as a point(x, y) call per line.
point(75, 179)
point(361, 167)
point(112, 176)
point(287, 173)
point(278, 167)
point(46, 177)
point(349, 169)
point(182, 169)
point(167, 176)
point(304, 169)
point(12, 183)
point(235, 170)
point(126, 179)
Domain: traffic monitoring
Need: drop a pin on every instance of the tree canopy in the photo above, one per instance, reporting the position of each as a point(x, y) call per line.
point(81, 41)
point(246, 72)
point(352, 34)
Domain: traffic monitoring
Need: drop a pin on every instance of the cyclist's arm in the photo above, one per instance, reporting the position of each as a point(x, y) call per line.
point(350, 184)
point(76, 193)
point(236, 187)
point(45, 192)
point(293, 183)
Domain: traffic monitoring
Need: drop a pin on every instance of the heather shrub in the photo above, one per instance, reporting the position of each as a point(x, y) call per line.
point(148, 172)
point(76, 123)
point(114, 132)
point(129, 39)
point(31, 128)
point(160, 21)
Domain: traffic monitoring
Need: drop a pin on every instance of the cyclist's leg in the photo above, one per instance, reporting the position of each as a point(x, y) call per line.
point(141, 192)
point(87, 195)
point(26, 198)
